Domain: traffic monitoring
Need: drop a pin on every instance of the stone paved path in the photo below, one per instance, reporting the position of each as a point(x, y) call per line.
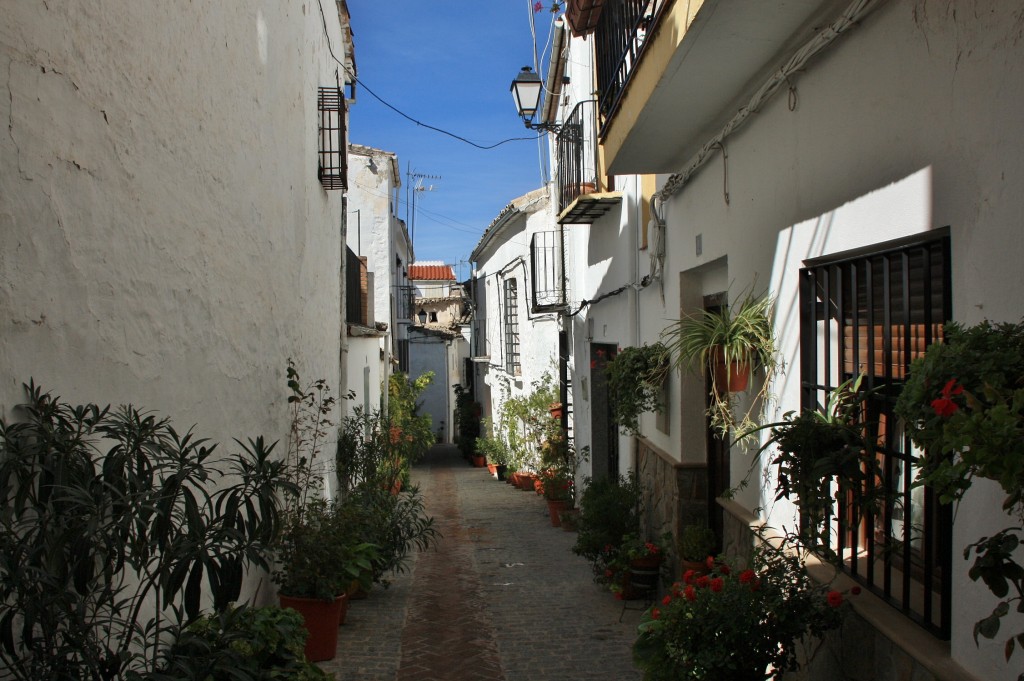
point(503, 598)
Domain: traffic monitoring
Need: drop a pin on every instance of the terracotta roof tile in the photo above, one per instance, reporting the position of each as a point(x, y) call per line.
point(431, 272)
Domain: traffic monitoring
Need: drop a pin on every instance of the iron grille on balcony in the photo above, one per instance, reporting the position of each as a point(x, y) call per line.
point(577, 168)
point(547, 264)
point(332, 170)
point(619, 41)
point(872, 314)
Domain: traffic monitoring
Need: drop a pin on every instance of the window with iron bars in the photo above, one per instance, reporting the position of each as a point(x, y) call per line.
point(511, 301)
point(546, 267)
point(332, 170)
point(872, 313)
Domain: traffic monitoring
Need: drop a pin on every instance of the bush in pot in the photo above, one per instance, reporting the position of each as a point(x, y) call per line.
point(609, 511)
point(635, 377)
point(696, 544)
point(240, 644)
point(736, 622)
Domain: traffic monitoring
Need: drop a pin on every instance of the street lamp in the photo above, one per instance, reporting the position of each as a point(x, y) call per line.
point(422, 316)
point(526, 90)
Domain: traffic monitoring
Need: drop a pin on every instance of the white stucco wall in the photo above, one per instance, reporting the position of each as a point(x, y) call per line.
point(164, 240)
point(504, 254)
point(873, 152)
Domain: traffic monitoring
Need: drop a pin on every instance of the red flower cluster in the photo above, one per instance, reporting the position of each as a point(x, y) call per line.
point(945, 406)
point(835, 599)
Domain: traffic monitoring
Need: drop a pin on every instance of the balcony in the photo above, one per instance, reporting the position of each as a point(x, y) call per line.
point(668, 73)
point(578, 198)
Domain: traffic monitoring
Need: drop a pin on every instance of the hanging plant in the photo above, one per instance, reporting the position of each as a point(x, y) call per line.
point(636, 376)
point(730, 342)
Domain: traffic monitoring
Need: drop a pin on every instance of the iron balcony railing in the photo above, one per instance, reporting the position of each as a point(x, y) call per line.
point(577, 154)
point(619, 40)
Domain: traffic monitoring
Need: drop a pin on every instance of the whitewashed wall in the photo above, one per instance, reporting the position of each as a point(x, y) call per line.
point(910, 123)
point(163, 236)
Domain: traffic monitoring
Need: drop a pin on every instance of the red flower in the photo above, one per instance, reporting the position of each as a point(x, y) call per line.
point(951, 388)
point(690, 593)
point(710, 562)
point(747, 576)
point(944, 407)
point(655, 613)
point(717, 583)
point(724, 569)
point(666, 600)
point(703, 581)
point(689, 576)
point(855, 591)
point(593, 363)
point(835, 599)
point(537, 6)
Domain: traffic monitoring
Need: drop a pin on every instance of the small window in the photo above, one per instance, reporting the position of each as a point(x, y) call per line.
point(511, 300)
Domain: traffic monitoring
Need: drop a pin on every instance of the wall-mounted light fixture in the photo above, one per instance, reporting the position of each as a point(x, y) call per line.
point(422, 316)
point(526, 89)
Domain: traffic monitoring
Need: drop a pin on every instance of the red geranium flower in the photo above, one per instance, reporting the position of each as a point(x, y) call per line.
point(724, 569)
point(855, 591)
point(703, 581)
point(666, 600)
point(655, 613)
point(835, 599)
point(747, 576)
point(710, 562)
point(690, 593)
point(717, 583)
point(689, 576)
point(944, 407)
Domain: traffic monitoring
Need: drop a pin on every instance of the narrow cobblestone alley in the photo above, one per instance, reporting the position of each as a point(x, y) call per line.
point(503, 598)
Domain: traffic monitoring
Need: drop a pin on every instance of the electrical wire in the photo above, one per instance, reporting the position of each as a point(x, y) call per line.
point(330, 49)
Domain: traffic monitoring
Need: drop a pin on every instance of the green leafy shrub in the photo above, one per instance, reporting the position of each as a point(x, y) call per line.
point(106, 514)
point(241, 644)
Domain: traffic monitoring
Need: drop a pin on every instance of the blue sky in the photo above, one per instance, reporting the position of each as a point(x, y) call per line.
point(448, 64)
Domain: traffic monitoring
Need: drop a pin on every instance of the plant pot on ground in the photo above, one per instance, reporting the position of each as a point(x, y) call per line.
point(696, 544)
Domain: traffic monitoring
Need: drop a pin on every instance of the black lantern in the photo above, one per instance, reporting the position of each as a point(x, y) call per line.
point(422, 316)
point(526, 92)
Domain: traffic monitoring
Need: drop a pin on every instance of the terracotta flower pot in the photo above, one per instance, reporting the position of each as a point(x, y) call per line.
point(555, 507)
point(321, 619)
point(492, 469)
point(479, 461)
point(569, 518)
point(732, 379)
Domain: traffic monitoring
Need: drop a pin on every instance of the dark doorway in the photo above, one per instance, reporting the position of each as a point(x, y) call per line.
point(604, 432)
point(717, 446)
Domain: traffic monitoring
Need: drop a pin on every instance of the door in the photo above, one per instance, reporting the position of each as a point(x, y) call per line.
point(604, 432)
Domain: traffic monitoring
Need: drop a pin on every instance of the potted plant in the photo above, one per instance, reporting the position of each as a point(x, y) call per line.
point(637, 566)
point(241, 643)
point(730, 342)
point(636, 376)
point(736, 622)
point(609, 511)
point(963, 404)
point(696, 544)
point(319, 555)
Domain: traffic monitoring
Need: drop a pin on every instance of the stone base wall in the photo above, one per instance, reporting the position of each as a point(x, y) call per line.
point(674, 494)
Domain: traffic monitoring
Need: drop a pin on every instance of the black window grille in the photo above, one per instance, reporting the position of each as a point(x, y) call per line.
point(356, 288)
point(403, 355)
point(511, 300)
point(871, 314)
point(547, 264)
point(619, 41)
point(332, 170)
point(405, 303)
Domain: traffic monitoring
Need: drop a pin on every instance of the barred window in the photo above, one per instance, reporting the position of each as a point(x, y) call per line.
point(511, 300)
point(872, 313)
